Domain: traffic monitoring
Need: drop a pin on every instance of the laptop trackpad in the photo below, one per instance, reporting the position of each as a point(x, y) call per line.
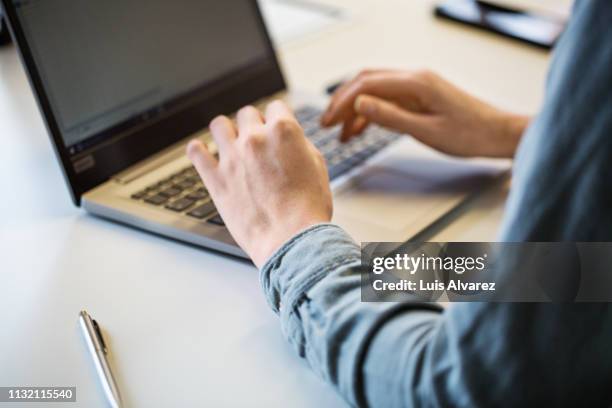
point(403, 191)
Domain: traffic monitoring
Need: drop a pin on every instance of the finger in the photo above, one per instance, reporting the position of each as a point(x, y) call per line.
point(345, 133)
point(389, 115)
point(353, 127)
point(384, 85)
point(204, 162)
point(249, 118)
point(346, 85)
point(360, 125)
point(379, 83)
point(223, 132)
point(278, 110)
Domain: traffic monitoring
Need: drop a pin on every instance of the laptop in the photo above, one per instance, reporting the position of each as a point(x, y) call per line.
point(124, 85)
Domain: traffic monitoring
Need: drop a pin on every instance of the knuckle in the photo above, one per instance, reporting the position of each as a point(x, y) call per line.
point(364, 83)
point(253, 141)
point(217, 121)
point(365, 72)
point(277, 103)
point(246, 109)
point(217, 186)
point(285, 127)
point(227, 167)
point(424, 74)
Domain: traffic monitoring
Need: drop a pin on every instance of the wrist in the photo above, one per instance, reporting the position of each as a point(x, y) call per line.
point(269, 242)
point(509, 129)
point(516, 125)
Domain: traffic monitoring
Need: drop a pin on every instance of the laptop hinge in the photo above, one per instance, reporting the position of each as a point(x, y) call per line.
point(178, 149)
point(154, 162)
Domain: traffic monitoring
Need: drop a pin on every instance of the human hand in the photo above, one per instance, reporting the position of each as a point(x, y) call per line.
point(429, 108)
point(269, 183)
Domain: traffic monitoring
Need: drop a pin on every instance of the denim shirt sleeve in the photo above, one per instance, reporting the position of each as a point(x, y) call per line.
point(414, 355)
point(477, 354)
point(313, 282)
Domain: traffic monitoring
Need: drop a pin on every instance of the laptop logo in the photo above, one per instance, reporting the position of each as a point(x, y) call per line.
point(84, 163)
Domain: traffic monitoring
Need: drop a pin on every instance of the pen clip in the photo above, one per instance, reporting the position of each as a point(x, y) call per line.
point(100, 337)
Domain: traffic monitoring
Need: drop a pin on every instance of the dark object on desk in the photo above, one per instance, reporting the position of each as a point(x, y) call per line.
point(5, 36)
point(331, 89)
point(535, 29)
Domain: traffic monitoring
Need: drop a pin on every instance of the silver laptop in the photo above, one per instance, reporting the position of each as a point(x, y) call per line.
point(123, 85)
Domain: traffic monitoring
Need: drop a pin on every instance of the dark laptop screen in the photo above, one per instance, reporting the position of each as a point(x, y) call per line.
point(108, 65)
point(120, 80)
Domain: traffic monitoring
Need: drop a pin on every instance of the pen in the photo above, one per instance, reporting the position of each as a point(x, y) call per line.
point(98, 350)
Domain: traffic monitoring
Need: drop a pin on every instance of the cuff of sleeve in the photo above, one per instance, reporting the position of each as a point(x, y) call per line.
point(303, 260)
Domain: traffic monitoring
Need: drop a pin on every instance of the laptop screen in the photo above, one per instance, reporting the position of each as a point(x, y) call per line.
point(110, 62)
point(110, 68)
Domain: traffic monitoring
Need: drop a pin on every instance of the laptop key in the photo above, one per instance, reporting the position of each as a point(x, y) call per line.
point(189, 172)
point(203, 211)
point(186, 183)
point(195, 179)
point(306, 113)
point(139, 195)
point(181, 204)
point(338, 169)
point(186, 187)
point(157, 199)
point(171, 192)
point(217, 220)
point(198, 194)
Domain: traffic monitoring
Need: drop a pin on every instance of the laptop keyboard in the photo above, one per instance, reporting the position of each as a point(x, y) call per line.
point(342, 157)
point(183, 191)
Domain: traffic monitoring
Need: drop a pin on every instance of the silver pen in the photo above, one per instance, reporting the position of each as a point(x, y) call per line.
point(97, 349)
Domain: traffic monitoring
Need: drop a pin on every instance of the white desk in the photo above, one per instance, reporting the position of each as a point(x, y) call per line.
point(189, 327)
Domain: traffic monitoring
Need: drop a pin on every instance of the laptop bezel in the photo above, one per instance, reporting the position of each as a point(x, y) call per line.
point(88, 170)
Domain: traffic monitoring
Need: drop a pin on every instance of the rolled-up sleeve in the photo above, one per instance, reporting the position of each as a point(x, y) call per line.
point(413, 354)
point(313, 282)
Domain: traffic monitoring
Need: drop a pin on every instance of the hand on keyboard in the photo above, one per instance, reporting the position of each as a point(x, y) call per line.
point(342, 157)
point(427, 107)
point(183, 191)
point(269, 182)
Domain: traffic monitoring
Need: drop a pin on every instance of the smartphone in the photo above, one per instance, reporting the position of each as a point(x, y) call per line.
point(536, 29)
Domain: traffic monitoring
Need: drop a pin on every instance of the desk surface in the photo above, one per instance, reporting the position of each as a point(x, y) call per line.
point(188, 327)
